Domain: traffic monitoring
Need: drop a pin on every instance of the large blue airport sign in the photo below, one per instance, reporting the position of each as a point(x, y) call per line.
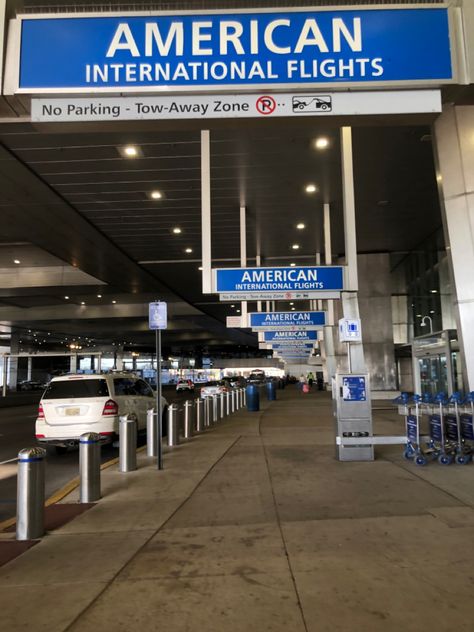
point(187, 51)
point(276, 321)
point(284, 283)
point(290, 337)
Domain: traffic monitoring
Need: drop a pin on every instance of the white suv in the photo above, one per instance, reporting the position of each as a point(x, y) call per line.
point(74, 404)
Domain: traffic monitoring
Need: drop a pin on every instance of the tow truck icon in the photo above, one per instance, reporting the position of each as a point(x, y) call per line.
point(312, 104)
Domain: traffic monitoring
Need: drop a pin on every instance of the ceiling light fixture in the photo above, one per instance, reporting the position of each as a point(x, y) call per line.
point(301, 226)
point(295, 246)
point(130, 151)
point(83, 302)
point(99, 295)
point(322, 142)
point(17, 261)
point(156, 195)
point(67, 298)
point(114, 302)
point(188, 251)
point(311, 188)
point(177, 230)
point(292, 265)
point(200, 268)
point(434, 291)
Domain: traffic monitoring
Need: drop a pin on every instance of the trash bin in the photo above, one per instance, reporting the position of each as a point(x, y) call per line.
point(271, 391)
point(253, 398)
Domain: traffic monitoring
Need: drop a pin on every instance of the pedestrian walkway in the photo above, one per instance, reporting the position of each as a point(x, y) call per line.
point(254, 526)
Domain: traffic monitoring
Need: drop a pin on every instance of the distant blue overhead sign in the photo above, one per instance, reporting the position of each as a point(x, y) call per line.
point(303, 282)
point(219, 49)
point(275, 321)
point(289, 337)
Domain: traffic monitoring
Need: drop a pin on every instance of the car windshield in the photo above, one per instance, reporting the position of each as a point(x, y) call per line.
point(68, 389)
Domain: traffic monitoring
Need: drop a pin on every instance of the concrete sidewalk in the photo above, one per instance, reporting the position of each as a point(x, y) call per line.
point(255, 526)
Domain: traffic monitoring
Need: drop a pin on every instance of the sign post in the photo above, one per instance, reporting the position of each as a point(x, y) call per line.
point(157, 320)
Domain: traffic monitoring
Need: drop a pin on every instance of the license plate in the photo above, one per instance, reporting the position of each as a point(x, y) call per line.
point(72, 411)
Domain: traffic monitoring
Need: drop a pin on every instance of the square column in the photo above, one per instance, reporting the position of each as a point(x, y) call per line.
point(454, 131)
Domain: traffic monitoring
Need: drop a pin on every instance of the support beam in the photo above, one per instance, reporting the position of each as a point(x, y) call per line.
point(243, 256)
point(349, 209)
point(206, 212)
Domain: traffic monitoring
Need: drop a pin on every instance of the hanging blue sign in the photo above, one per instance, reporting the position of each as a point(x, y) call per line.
point(275, 321)
point(294, 346)
point(290, 336)
point(250, 48)
point(262, 280)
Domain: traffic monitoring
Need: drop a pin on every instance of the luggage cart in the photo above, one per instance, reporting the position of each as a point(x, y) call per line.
point(442, 450)
point(413, 414)
point(467, 423)
point(454, 432)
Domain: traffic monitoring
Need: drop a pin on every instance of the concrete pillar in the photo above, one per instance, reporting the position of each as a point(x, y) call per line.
point(30, 368)
point(454, 131)
point(73, 365)
point(13, 364)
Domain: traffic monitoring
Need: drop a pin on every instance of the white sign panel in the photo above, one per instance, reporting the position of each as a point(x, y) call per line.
point(233, 106)
point(350, 330)
point(157, 315)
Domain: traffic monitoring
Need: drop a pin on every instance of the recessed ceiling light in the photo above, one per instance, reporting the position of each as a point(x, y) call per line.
point(17, 261)
point(232, 305)
point(418, 315)
point(177, 230)
point(156, 195)
point(295, 246)
point(113, 302)
point(301, 226)
point(432, 311)
point(130, 151)
point(291, 303)
point(99, 295)
point(322, 142)
point(188, 251)
point(83, 302)
point(292, 265)
point(200, 268)
point(238, 311)
point(292, 309)
point(67, 298)
point(311, 188)
point(434, 291)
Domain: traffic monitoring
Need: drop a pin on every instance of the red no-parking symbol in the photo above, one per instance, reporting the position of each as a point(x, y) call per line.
point(265, 105)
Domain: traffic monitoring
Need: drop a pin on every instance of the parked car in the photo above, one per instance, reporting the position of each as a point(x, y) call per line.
point(74, 404)
point(236, 381)
point(31, 385)
point(184, 385)
point(214, 388)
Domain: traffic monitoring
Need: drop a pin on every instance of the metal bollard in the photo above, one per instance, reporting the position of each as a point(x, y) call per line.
point(207, 411)
point(199, 415)
point(173, 426)
point(214, 409)
point(244, 395)
point(151, 433)
point(89, 467)
point(188, 419)
point(30, 494)
point(227, 403)
point(222, 407)
point(232, 401)
point(237, 399)
point(127, 444)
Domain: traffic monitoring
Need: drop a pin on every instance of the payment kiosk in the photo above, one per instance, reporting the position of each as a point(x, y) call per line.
point(353, 413)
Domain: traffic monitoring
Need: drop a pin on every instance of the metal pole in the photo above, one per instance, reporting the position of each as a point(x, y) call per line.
point(5, 376)
point(151, 433)
point(227, 403)
point(159, 420)
point(244, 390)
point(222, 408)
point(236, 394)
point(207, 411)
point(199, 415)
point(89, 467)
point(214, 409)
point(127, 444)
point(173, 428)
point(188, 419)
point(30, 494)
point(232, 402)
point(206, 244)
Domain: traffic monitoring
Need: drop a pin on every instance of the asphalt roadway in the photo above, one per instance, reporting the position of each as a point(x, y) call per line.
point(17, 431)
